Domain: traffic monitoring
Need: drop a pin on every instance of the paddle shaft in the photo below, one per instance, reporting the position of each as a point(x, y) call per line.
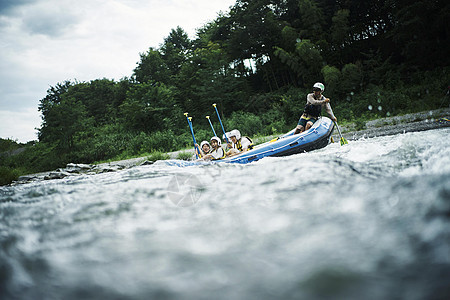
point(211, 126)
point(339, 131)
point(340, 134)
point(223, 129)
point(192, 132)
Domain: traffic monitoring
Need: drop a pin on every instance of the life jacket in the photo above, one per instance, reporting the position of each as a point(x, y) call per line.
point(239, 145)
point(313, 110)
point(203, 153)
point(223, 154)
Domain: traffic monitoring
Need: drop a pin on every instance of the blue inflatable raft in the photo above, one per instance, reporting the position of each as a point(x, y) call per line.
point(318, 136)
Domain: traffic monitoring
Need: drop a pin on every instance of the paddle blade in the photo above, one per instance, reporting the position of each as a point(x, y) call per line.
point(343, 141)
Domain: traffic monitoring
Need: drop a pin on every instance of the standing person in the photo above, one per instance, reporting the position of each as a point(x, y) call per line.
point(240, 143)
point(313, 109)
point(217, 152)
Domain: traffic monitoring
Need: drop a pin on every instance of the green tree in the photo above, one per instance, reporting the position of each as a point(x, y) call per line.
point(52, 99)
point(340, 37)
point(421, 28)
point(98, 97)
point(175, 50)
point(351, 78)
point(312, 20)
point(149, 107)
point(306, 61)
point(152, 67)
point(249, 34)
point(332, 78)
point(208, 78)
point(64, 121)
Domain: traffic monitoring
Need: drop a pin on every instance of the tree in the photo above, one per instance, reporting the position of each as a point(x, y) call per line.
point(98, 97)
point(312, 21)
point(332, 77)
point(149, 107)
point(249, 34)
point(306, 61)
point(421, 28)
point(64, 118)
point(152, 67)
point(175, 50)
point(53, 98)
point(340, 37)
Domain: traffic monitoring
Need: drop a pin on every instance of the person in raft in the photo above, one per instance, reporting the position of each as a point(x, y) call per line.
point(239, 143)
point(217, 151)
point(203, 150)
point(313, 109)
point(226, 141)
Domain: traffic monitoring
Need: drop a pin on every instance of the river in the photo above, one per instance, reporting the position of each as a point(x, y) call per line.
point(367, 220)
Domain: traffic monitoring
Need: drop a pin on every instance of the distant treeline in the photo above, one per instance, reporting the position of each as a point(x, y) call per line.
point(257, 62)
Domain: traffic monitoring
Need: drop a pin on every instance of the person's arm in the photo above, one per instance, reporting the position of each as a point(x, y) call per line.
point(310, 99)
point(198, 151)
point(231, 152)
point(330, 111)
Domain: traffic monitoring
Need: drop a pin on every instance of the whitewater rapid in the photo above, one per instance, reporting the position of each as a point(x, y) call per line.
point(368, 220)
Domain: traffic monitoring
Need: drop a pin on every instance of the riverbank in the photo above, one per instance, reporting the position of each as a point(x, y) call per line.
point(399, 124)
point(381, 127)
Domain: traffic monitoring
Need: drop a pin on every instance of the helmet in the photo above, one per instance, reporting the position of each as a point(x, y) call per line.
point(215, 138)
point(204, 143)
point(226, 136)
point(235, 133)
point(319, 86)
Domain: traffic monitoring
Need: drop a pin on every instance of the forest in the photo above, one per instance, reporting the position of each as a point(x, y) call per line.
point(257, 61)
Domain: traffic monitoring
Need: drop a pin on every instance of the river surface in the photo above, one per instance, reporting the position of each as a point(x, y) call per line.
point(368, 220)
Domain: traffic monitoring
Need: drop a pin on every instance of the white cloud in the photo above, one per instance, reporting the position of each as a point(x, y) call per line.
point(20, 125)
point(49, 41)
point(48, 19)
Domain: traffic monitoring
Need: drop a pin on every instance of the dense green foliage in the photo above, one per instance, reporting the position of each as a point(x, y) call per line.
point(257, 62)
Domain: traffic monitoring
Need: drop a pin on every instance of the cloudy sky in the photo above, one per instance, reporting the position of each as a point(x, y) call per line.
point(43, 42)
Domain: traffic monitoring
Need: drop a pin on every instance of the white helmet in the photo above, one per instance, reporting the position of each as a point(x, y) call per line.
point(235, 133)
point(319, 86)
point(216, 139)
point(226, 136)
point(204, 143)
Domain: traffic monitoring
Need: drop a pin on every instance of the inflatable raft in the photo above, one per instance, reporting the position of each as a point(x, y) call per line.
point(318, 136)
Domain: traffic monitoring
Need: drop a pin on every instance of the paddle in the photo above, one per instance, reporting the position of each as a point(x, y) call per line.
point(223, 129)
point(211, 126)
point(189, 120)
point(342, 140)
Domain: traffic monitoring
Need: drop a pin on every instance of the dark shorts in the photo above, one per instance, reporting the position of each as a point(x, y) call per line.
point(302, 121)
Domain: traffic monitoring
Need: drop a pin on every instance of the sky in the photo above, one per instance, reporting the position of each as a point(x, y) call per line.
point(44, 42)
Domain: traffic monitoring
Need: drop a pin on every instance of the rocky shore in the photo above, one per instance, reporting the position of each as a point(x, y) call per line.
point(380, 127)
point(399, 124)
